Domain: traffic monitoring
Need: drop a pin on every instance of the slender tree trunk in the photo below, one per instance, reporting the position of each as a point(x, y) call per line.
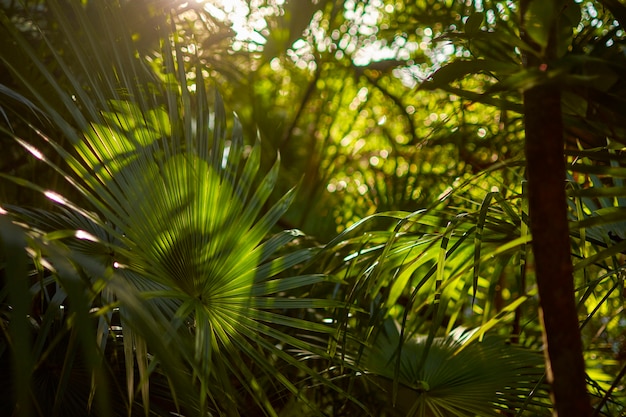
point(545, 166)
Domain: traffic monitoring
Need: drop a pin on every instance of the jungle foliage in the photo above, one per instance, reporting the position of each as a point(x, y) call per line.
point(309, 207)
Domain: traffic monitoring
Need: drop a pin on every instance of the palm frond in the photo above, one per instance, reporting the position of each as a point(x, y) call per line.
point(177, 217)
point(453, 376)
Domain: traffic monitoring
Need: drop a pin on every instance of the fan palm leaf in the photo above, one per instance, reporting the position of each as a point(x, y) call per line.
point(178, 209)
point(452, 375)
point(432, 271)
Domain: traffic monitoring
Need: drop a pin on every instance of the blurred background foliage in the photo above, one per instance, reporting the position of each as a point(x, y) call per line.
point(334, 87)
point(402, 123)
point(340, 101)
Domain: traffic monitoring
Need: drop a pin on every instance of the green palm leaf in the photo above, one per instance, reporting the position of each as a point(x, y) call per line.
point(181, 219)
point(452, 376)
point(432, 271)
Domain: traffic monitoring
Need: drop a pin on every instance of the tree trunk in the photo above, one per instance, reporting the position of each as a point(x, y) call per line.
point(545, 166)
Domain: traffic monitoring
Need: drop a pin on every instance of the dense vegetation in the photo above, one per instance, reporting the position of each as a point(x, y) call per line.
point(358, 207)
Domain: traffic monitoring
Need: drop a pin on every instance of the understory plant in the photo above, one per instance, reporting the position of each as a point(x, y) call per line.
point(161, 273)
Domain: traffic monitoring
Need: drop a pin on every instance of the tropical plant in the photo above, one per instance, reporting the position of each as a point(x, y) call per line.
point(175, 219)
point(451, 375)
point(154, 266)
point(547, 61)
